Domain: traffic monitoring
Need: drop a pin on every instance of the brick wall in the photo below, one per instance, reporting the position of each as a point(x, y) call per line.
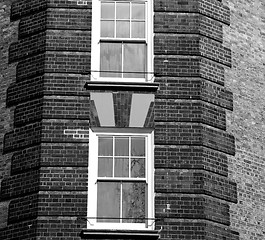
point(246, 37)
point(192, 145)
point(44, 173)
point(198, 180)
point(8, 33)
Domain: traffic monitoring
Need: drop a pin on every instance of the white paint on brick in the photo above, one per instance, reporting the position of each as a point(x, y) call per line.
point(79, 2)
point(77, 133)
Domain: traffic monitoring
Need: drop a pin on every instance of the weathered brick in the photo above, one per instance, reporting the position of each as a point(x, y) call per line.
point(195, 182)
point(194, 89)
point(184, 206)
point(190, 111)
point(191, 157)
point(190, 23)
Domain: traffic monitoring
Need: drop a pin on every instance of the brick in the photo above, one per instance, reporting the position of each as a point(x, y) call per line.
point(194, 134)
point(195, 230)
point(32, 45)
point(195, 182)
point(50, 108)
point(24, 136)
point(211, 8)
point(55, 18)
point(196, 45)
point(62, 203)
point(48, 84)
point(20, 184)
point(190, 111)
point(32, 24)
point(188, 66)
point(28, 112)
point(191, 157)
point(53, 130)
point(26, 7)
point(68, 40)
point(26, 159)
point(190, 23)
point(63, 178)
point(23, 208)
point(183, 206)
point(76, 19)
point(25, 229)
point(48, 227)
point(194, 89)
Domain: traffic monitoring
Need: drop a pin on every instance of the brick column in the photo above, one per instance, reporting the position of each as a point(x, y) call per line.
point(47, 186)
point(192, 187)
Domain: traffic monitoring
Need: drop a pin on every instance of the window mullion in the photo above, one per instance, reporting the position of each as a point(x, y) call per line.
point(130, 19)
point(113, 156)
point(115, 20)
point(122, 58)
point(130, 144)
point(121, 204)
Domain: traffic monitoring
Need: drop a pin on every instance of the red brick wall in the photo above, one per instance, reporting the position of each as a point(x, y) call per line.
point(8, 33)
point(196, 173)
point(246, 37)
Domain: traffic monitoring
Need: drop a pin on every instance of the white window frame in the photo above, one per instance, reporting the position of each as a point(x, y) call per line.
point(92, 184)
point(95, 44)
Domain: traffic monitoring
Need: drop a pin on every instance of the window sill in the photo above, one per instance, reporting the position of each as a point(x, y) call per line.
point(119, 234)
point(133, 86)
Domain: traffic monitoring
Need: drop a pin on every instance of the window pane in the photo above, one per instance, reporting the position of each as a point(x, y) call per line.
point(138, 11)
point(133, 202)
point(107, 29)
point(121, 167)
point(108, 204)
point(123, 10)
point(110, 59)
point(123, 29)
point(134, 60)
point(105, 146)
point(121, 146)
point(138, 146)
point(138, 167)
point(107, 10)
point(138, 29)
point(105, 167)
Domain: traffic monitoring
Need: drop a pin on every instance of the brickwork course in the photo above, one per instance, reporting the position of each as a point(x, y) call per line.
point(207, 116)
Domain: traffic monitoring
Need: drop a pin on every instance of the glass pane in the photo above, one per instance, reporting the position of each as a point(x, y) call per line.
point(107, 29)
point(123, 29)
point(138, 29)
point(107, 10)
point(121, 167)
point(105, 167)
point(138, 11)
point(138, 146)
point(138, 167)
point(133, 202)
point(110, 59)
point(105, 146)
point(134, 60)
point(108, 201)
point(123, 10)
point(121, 146)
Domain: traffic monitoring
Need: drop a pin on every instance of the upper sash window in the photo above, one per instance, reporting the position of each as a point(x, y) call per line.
point(122, 40)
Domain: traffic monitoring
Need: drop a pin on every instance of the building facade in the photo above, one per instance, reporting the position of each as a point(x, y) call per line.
point(132, 119)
